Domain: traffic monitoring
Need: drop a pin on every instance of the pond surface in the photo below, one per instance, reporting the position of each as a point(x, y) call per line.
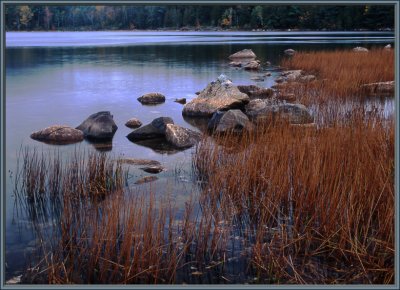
point(63, 77)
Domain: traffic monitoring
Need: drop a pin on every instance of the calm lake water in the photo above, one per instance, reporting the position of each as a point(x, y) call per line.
point(63, 77)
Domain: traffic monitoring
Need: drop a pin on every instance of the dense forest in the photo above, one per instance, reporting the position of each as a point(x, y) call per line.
point(238, 17)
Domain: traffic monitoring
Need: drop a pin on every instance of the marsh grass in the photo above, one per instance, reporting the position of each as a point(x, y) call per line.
point(311, 198)
point(291, 204)
point(340, 73)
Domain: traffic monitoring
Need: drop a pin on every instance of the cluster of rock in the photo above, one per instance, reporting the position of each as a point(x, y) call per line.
point(294, 76)
point(164, 128)
point(99, 126)
point(245, 58)
point(235, 108)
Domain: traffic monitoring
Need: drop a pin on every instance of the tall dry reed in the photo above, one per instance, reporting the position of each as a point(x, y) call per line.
point(310, 198)
point(340, 73)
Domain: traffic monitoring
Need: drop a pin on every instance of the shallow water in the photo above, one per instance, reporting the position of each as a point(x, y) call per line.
point(63, 77)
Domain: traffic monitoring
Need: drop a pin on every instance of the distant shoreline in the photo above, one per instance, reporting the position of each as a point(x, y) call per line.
point(208, 30)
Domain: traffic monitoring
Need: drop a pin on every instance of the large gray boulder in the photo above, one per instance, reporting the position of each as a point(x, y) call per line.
point(156, 129)
point(58, 134)
point(99, 126)
point(218, 95)
point(245, 53)
point(383, 89)
point(181, 137)
point(262, 110)
point(152, 99)
point(230, 121)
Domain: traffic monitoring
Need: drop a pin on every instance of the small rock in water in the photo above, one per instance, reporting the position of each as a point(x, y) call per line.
point(133, 123)
point(146, 179)
point(152, 99)
point(153, 169)
point(181, 101)
point(143, 162)
point(268, 74)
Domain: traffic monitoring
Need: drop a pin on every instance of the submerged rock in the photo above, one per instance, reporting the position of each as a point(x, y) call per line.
point(146, 179)
point(99, 126)
point(181, 137)
point(230, 121)
point(218, 95)
point(58, 134)
point(153, 169)
point(383, 89)
point(259, 110)
point(143, 162)
point(360, 49)
point(245, 53)
point(155, 129)
point(152, 99)
point(133, 123)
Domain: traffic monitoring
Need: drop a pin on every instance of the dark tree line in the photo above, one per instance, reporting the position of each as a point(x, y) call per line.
point(350, 17)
